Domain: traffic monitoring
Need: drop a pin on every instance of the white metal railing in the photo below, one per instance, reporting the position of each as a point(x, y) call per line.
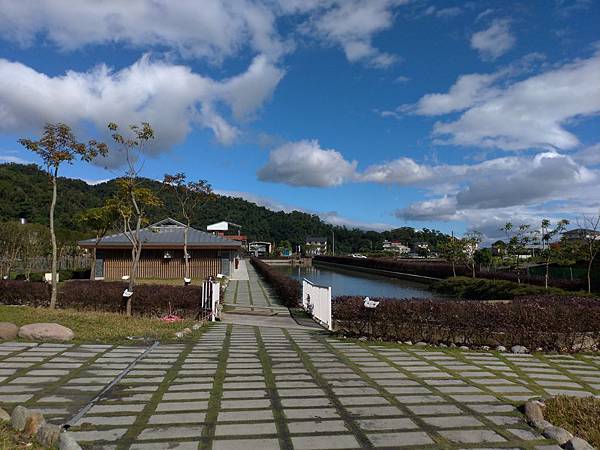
point(209, 302)
point(316, 300)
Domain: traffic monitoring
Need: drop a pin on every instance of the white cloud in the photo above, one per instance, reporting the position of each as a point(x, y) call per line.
point(494, 41)
point(211, 28)
point(531, 113)
point(305, 163)
point(13, 159)
point(468, 90)
point(208, 29)
point(350, 24)
point(589, 156)
point(331, 217)
point(171, 97)
point(444, 13)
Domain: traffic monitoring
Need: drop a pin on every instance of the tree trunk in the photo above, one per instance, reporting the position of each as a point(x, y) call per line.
point(93, 271)
point(453, 269)
point(571, 272)
point(546, 276)
point(589, 275)
point(473, 268)
point(185, 251)
point(54, 247)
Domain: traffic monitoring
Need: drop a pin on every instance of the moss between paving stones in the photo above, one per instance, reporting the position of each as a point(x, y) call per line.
point(285, 441)
point(441, 439)
point(580, 416)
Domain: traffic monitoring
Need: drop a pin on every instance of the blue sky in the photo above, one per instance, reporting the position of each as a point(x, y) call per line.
point(371, 113)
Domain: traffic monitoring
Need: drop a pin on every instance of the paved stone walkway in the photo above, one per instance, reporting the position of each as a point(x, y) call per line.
point(241, 387)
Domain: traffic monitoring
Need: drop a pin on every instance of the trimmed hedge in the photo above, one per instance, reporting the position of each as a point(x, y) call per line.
point(63, 275)
point(442, 269)
point(288, 290)
point(85, 295)
point(479, 288)
point(550, 323)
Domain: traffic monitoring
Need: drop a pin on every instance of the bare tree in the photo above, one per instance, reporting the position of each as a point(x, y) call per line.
point(132, 200)
point(99, 219)
point(518, 240)
point(590, 240)
point(470, 243)
point(11, 244)
point(189, 195)
point(59, 145)
point(548, 254)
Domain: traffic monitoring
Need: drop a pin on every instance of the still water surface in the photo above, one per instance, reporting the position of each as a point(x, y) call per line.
point(345, 282)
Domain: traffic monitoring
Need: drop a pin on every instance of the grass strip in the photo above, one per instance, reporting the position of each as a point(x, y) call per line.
point(579, 415)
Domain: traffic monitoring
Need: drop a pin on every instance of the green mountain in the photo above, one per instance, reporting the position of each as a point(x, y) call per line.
point(25, 192)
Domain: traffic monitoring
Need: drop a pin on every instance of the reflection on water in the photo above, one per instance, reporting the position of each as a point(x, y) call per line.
point(344, 282)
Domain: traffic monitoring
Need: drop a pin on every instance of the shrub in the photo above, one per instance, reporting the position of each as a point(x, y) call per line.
point(85, 295)
point(288, 290)
point(63, 275)
point(479, 289)
point(552, 323)
point(442, 269)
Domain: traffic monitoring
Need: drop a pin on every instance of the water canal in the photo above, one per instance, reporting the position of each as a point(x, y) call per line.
point(349, 282)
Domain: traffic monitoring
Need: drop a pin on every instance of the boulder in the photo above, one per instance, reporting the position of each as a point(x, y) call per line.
point(518, 349)
point(33, 423)
point(46, 332)
point(463, 347)
point(68, 442)
point(18, 418)
point(501, 348)
point(578, 444)
point(4, 416)
point(559, 434)
point(8, 331)
point(48, 434)
point(533, 411)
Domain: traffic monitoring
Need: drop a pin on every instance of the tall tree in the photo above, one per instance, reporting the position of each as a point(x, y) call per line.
point(453, 251)
point(56, 146)
point(100, 220)
point(548, 253)
point(131, 199)
point(189, 195)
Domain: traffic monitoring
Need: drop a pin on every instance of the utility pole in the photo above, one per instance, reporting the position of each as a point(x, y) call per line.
point(332, 243)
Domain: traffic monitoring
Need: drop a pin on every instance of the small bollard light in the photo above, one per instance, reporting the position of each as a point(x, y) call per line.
point(187, 281)
point(127, 293)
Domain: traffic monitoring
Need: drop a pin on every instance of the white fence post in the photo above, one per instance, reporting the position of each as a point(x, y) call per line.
point(317, 301)
point(216, 293)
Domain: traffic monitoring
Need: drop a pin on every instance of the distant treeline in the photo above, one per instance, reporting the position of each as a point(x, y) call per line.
point(25, 192)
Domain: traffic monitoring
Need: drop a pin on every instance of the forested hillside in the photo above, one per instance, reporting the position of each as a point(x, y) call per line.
point(25, 192)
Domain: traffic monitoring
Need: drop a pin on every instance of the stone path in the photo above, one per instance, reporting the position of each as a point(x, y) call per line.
point(242, 387)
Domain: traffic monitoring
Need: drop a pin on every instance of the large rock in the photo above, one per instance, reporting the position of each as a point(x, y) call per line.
point(46, 332)
point(518, 349)
point(533, 411)
point(578, 444)
point(559, 434)
point(8, 331)
point(4, 416)
point(68, 442)
point(18, 418)
point(33, 423)
point(48, 434)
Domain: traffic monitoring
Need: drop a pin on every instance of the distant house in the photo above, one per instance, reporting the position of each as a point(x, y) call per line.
point(260, 249)
point(580, 234)
point(228, 230)
point(315, 245)
point(162, 253)
point(396, 247)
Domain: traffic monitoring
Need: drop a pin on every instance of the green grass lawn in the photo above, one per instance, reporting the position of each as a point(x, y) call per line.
point(98, 327)
point(581, 416)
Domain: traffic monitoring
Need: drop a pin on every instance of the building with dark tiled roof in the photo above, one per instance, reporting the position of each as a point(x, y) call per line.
point(162, 253)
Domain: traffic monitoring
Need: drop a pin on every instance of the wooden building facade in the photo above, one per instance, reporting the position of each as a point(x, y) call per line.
point(162, 253)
